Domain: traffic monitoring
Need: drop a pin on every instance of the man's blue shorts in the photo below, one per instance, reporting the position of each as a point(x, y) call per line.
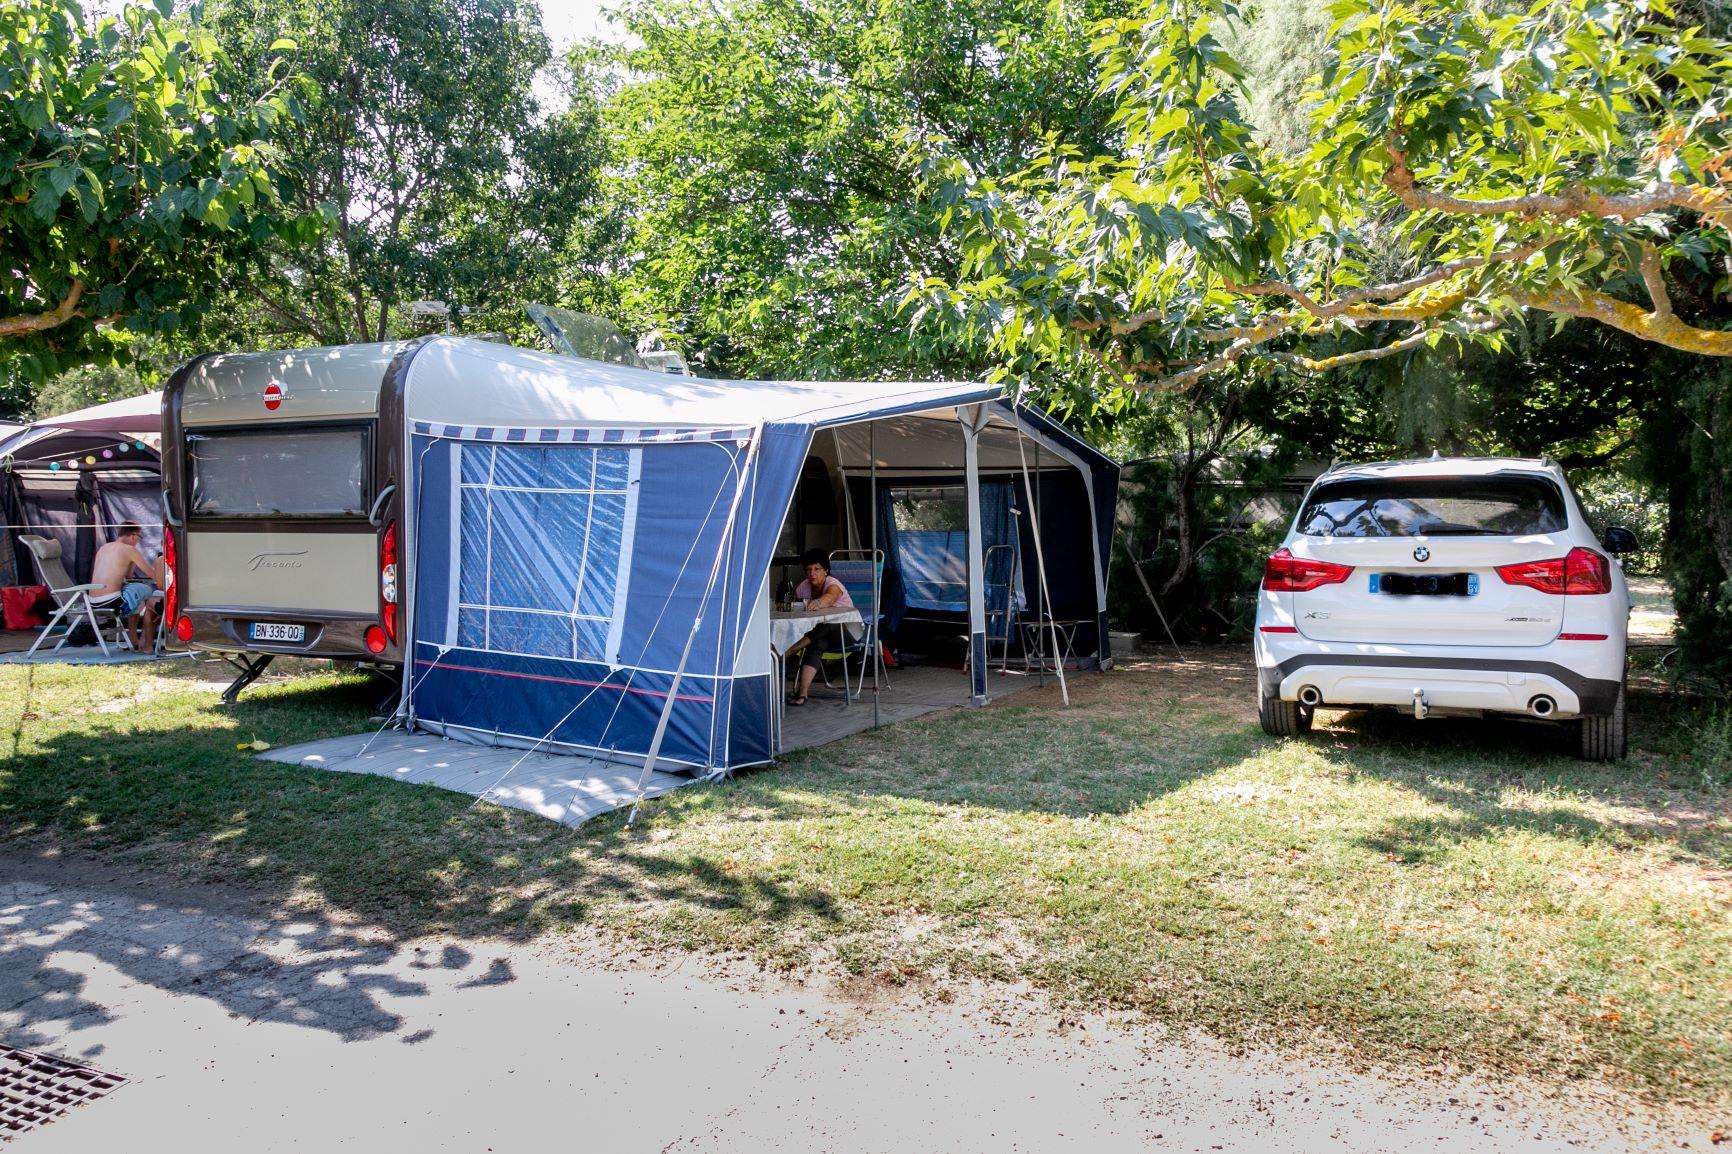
point(133, 596)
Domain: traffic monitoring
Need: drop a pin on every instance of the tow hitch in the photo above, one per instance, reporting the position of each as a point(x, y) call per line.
point(1420, 708)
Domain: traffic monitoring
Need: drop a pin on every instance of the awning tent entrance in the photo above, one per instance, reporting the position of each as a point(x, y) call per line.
point(75, 479)
point(590, 544)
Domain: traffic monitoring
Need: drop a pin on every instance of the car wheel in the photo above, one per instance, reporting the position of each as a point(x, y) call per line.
point(1606, 738)
point(1282, 718)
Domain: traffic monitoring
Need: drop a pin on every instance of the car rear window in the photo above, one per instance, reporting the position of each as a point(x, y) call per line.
point(1433, 506)
point(304, 472)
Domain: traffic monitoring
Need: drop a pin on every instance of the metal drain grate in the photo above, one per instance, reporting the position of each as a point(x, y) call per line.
point(37, 1088)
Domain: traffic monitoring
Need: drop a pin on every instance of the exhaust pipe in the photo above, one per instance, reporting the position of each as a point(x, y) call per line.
point(1309, 696)
point(1542, 706)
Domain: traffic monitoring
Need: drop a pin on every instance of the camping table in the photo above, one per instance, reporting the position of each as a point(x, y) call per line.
point(789, 625)
point(1035, 635)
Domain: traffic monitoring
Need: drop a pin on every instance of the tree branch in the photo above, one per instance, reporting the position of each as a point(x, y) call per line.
point(1411, 341)
point(1660, 328)
point(1591, 460)
point(1573, 202)
point(1224, 359)
point(1654, 277)
point(52, 319)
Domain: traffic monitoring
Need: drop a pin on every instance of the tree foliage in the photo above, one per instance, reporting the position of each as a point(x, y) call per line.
point(1467, 163)
point(777, 214)
point(86, 385)
point(134, 176)
point(427, 157)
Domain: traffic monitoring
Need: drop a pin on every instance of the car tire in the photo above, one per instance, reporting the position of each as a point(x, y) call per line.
point(1606, 738)
point(1282, 718)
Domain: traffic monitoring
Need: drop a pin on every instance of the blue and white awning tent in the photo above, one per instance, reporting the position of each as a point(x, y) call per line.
point(590, 544)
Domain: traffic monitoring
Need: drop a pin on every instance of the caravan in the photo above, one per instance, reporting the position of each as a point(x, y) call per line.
point(280, 478)
point(568, 555)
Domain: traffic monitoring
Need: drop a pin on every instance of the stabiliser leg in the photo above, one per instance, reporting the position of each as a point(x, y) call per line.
point(388, 704)
point(249, 673)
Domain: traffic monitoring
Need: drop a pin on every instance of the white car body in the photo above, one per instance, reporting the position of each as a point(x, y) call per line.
point(1506, 647)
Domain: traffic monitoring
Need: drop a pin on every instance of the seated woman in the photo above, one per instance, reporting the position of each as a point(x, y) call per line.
point(818, 591)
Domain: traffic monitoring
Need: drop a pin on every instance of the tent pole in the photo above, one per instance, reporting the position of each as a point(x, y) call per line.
point(847, 493)
point(972, 418)
point(877, 575)
point(655, 748)
point(1142, 578)
point(1040, 560)
point(1039, 566)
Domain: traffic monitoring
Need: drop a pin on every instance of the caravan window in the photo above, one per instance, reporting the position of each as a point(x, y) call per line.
point(305, 472)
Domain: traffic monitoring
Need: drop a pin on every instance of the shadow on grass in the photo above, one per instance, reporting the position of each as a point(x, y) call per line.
point(1465, 765)
point(163, 792)
point(167, 800)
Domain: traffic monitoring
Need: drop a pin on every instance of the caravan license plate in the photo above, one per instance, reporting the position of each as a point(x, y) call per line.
point(271, 631)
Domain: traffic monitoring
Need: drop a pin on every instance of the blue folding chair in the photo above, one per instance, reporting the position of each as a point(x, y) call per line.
point(861, 572)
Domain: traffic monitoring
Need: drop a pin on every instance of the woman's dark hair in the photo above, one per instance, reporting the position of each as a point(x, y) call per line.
point(816, 557)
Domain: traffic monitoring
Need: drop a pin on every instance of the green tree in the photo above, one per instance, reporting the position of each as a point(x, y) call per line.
point(133, 176)
point(87, 385)
point(427, 156)
point(1468, 164)
point(1474, 172)
point(776, 209)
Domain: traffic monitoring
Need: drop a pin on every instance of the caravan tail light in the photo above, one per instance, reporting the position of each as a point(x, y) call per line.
point(171, 579)
point(375, 639)
point(1285, 573)
point(183, 629)
point(388, 584)
point(1578, 571)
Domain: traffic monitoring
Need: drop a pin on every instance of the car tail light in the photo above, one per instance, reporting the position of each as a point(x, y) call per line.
point(1579, 571)
point(183, 629)
point(171, 594)
point(388, 583)
point(1285, 573)
point(375, 639)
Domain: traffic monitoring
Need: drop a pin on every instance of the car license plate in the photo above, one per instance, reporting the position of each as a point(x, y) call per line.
point(1426, 584)
point(273, 631)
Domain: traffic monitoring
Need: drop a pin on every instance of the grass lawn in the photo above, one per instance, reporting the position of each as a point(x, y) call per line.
point(1419, 893)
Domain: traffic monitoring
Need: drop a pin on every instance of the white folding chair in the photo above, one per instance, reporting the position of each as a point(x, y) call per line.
point(76, 602)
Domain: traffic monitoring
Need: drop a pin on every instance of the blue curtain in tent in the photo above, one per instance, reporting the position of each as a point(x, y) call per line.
point(934, 562)
point(893, 598)
point(557, 584)
point(998, 527)
point(935, 569)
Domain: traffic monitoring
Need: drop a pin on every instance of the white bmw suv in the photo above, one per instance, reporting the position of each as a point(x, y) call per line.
point(1454, 586)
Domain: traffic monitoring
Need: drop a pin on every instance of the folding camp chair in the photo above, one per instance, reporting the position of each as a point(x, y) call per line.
point(861, 572)
point(76, 602)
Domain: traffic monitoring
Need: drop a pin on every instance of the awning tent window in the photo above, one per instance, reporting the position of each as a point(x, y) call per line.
point(543, 533)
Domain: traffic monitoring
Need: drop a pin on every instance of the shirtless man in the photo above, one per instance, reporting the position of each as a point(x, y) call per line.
point(113, 569)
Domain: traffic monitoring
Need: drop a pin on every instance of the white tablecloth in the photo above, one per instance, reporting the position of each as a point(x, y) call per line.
point(787, 628)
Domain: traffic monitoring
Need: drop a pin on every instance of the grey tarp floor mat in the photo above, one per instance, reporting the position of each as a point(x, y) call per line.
point(572, 789)
point(560, 787)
